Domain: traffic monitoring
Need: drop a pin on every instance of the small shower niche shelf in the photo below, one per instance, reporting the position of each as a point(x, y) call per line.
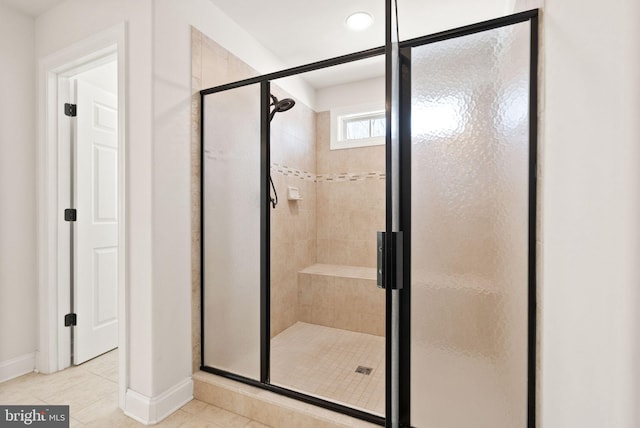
point(344, 297)
point(293, 194)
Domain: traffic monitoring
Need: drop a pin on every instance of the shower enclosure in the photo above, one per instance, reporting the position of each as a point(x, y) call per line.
point(431, 323)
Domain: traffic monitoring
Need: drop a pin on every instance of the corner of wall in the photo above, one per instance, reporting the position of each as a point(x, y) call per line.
point(523, 5)
point(151, 410)
point(18, 366)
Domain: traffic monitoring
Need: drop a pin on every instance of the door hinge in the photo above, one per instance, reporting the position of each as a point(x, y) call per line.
point(70, 320)
point(70, 110)
point(70, 214)
point(390, 263)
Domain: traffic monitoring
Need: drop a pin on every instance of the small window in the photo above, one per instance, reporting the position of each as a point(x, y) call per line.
point(363, 126)
point(358, 126)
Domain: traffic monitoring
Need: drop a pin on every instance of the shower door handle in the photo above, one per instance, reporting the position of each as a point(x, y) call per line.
point(380, 255)
point(390, 263)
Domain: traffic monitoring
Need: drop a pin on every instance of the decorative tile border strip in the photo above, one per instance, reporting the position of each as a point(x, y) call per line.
point(331, 178)
point(292, 172)
point(350, 176)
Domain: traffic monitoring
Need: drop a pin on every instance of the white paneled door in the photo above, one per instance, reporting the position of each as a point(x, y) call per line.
point(96, 286)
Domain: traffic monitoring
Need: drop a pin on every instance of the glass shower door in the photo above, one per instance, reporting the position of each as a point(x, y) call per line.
point(458, 257)
point(231, 222)
point(469, 213)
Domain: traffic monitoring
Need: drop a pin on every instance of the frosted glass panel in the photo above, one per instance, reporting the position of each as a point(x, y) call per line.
point(469, 219)
point(231, 265)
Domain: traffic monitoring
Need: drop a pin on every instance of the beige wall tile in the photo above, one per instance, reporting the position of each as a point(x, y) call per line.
point(196, 53)
point(264, 407)
point(349, 212)
point(293, 223)
point(254, 424)
point(305, 313)
point(341, 302)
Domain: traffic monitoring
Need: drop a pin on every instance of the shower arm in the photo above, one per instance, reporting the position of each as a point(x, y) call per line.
point(274, 201)
point(278, 106)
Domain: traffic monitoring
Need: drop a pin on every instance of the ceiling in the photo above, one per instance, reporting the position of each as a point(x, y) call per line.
point(303, 31)
point(31, 7)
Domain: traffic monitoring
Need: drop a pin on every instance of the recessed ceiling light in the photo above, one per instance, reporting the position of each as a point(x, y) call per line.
point(359, 21)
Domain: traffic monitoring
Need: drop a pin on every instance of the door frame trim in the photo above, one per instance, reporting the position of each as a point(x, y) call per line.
point(52, 287)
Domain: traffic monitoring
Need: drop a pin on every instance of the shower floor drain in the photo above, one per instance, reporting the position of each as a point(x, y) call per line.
point(364, 370)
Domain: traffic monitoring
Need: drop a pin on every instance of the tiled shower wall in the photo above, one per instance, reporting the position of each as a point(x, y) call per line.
point(293, 223)
point(351, 200)
point(343, 192)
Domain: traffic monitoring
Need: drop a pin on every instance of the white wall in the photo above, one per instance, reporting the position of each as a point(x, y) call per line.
point(171, 175)
point(591, 211)
point(350, 94)
point(172, 166)
point(18, 298)
point(70, 23)
point(207, 18)
point(159, 169)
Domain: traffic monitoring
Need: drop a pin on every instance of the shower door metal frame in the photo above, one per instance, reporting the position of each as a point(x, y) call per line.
point(265, 216)
point(405, 203)
point(393, 260)
point(401, 169)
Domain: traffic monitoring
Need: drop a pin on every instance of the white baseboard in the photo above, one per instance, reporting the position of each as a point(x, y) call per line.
point(17, 366)
point(151, 410)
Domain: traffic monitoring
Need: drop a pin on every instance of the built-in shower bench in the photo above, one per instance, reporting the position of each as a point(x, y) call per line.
point(341, 271)
point(341, 296)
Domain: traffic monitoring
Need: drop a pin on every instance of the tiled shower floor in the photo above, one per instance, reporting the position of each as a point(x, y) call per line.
point(322, 361)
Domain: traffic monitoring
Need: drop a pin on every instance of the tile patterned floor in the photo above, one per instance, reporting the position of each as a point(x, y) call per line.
point(91, 391)
point(322, 361)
